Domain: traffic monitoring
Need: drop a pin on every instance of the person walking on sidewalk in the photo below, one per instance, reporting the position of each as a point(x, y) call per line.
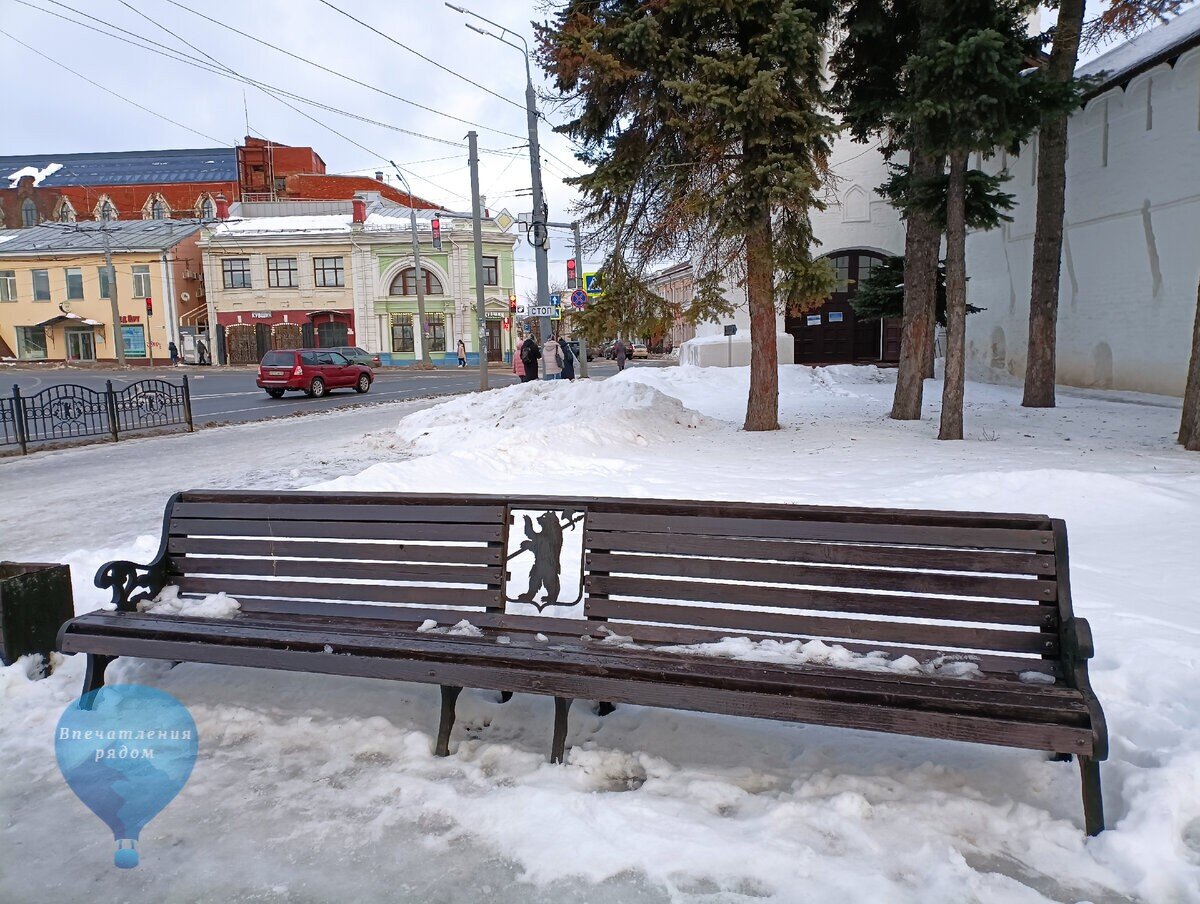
point(568, 370)
point(173, 350)
point(552, 360)
point(619, 354)
point(462, 353)
point(529, 358)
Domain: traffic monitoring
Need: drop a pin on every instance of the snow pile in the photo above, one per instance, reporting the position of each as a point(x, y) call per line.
point(816, 652)
point(169, 602)
point(39, 175)
point(463, 628)
point(547, 416)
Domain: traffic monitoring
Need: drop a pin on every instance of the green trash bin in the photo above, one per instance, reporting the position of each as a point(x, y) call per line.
point(35, 600)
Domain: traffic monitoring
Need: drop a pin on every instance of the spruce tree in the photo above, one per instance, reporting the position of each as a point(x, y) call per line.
point(704, 124)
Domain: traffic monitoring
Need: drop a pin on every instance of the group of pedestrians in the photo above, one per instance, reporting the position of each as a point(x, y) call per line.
point(556, 359)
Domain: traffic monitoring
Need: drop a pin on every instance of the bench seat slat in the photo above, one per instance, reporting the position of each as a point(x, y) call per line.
point(365, 510)
point(826, 576)
point(352, 530)
point(1003, 732)
point(326, 549)
point(307, 568)
point(837, 628)
point(745, 595)
point(317, 590)
point(803, 529)
point(949, 694)
point(336, 613)
point(879, 555)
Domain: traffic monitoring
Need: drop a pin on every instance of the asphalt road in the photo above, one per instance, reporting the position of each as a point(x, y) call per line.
point(228, 395)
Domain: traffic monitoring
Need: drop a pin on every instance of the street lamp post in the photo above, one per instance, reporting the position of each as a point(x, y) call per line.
point(426, 362)
point(540, 212)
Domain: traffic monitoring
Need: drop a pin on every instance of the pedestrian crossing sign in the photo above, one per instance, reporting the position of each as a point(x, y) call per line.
point(592, 284)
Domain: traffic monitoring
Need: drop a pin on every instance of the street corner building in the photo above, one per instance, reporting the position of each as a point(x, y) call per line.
point(56, 294)
point(300, 274)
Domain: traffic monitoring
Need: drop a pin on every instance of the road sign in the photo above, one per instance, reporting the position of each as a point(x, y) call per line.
point(579, 299)
point(556, 300)
point(549, 310)
point(731, 329)
point(592, 284)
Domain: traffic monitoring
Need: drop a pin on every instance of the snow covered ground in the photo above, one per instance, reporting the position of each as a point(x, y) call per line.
point(313, 788)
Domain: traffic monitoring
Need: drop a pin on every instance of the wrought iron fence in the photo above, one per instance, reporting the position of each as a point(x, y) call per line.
point(70, 411)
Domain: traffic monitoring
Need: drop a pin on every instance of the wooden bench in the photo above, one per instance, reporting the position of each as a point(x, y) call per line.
point(342, 584)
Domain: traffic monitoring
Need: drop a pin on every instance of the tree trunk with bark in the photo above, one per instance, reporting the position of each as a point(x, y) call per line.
point(1048, 229)
point(956, 300)
point(762, 406)
point(921, 244)
point(1189, 424)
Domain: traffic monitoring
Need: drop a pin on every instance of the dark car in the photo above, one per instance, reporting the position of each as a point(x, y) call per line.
point(314, 371)
point(573, 344)
point(358, 355)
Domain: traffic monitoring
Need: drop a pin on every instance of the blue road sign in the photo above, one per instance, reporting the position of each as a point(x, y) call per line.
point(556, 300)
point(579, 299)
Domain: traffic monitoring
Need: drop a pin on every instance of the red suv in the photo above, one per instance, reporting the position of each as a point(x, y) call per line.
point(312, 370)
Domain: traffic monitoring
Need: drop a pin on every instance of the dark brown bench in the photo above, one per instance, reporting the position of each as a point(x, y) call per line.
point(341, 584)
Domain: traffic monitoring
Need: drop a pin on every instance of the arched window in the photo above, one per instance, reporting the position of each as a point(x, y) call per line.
point(406, 283)
point(208, 208)
point(29, 214)
point(105, 211)
point(158, 210)
point(66, 213)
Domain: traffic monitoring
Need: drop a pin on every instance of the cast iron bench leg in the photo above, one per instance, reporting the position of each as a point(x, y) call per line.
point(1060, 757)
point(94, 678)
point(1093, 801)
point(561, 707)
point(449, 698)
point(605, 708)
point(505, 696)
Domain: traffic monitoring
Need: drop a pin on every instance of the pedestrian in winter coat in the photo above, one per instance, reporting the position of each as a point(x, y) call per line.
point(462, 353)
point(568, 370)
point(552, 360)
point(619, 354)
point(518, 365)
point(173, 350)
point(529, 357)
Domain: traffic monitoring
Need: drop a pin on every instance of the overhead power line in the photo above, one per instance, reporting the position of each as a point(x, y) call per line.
point(113, 93)
point(447, 69)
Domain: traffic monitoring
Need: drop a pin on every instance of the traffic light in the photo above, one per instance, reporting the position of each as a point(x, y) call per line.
point(571, 273)
point(512, 304)
point(437, 234)
point(149, 307)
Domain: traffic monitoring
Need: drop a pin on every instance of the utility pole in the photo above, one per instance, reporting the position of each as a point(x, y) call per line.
point(426, 362)
point(118, 338)
point(477, 234)
point(538, 234)
point(583, 369)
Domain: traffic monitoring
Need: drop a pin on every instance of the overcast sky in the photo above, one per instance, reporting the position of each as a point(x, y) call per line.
point(52, 110)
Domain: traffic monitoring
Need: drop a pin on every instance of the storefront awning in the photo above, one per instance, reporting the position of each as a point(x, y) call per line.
point(312, 315)
point(60, 318)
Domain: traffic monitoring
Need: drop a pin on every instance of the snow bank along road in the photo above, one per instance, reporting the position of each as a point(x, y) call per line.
point(312, 788)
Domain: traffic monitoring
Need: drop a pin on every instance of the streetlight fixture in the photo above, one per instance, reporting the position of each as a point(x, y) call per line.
point(538, 233)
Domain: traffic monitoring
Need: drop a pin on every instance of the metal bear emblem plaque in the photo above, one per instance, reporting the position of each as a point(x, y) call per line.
point(545, 562)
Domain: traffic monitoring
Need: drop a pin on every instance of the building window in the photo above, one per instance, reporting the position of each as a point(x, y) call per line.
point(66, 213)
point(31, 342)
point(491, 271)
point(328, 272)
point(102, 281)
point(406, 283)
point(8, 285)
point(236, 271)
point(74, 284)
point(105, 211)
point(841, 269)
point(282, 273)
point(133, 339)
point(402, 333)
point(29, 214)
point(435, 332)
point(155, 208)
point(41, 285)
point(141, 281)
point(208, 209)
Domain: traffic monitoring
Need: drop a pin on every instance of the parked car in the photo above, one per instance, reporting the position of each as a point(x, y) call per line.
point(637, 350)
point(358, 356)
point(573, 344)
point(314, 371)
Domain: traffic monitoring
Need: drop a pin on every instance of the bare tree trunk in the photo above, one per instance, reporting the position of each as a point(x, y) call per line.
point(1189, 424)
point(956, 300)
point(1048, 229)
point(921, 242)
point(762, 406)
point(931, 339)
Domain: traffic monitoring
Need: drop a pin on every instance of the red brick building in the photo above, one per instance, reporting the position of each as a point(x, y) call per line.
point(170, 184)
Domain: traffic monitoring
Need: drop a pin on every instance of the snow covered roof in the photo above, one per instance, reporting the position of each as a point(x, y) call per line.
point(381, 219)
point(123, 235)
point(1144, 51)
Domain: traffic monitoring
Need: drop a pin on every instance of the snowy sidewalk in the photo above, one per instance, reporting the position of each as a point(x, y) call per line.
point(316, 788)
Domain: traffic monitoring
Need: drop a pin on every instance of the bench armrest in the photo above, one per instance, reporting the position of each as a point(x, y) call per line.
point(1077, 635)
point(126, 577)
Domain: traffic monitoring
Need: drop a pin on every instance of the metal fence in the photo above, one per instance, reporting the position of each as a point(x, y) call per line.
point(70, 411)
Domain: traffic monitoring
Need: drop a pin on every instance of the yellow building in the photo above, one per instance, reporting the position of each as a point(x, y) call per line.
point(55, 299)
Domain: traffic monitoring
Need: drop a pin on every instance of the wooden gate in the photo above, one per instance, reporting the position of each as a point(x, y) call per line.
point(287, 335)
point(241, 343)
